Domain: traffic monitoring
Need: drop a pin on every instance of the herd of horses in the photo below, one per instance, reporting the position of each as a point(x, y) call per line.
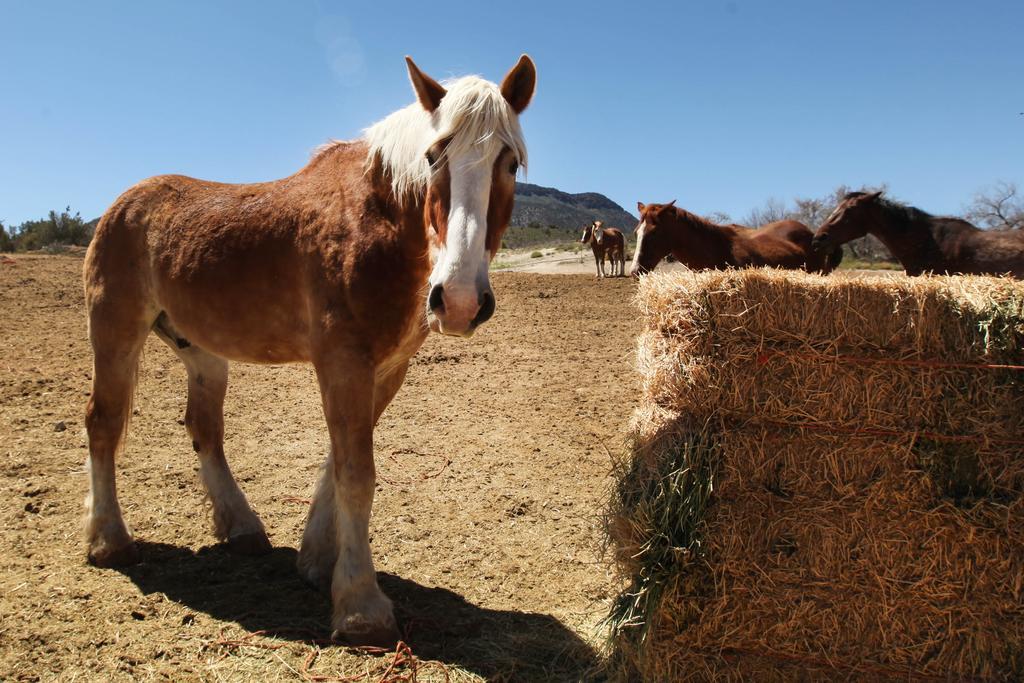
point(921, 242)
point(348, 264)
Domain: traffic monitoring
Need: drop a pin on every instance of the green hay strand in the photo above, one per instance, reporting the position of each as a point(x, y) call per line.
point(665, 502)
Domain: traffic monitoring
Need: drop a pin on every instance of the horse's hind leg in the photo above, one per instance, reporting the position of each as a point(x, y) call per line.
point(117, 336)
point(233, 519)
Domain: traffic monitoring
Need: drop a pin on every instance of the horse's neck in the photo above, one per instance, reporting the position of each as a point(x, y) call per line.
point(913, 245)
point(713, 240)
point(405, 212)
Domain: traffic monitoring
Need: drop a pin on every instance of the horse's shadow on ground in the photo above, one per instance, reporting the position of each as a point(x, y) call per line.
point(266, 594)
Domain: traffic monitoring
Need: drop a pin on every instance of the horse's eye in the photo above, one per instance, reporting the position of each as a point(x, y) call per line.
point(431, 159)
point(513, 168)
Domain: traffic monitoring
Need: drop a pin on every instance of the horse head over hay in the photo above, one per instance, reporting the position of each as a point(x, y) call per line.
point(922, 242)
point(700, 244)
point(346, 264)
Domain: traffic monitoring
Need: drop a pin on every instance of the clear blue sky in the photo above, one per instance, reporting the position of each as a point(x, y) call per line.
point(718, 104)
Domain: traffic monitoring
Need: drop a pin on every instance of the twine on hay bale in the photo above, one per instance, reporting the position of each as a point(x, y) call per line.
point(824, 478)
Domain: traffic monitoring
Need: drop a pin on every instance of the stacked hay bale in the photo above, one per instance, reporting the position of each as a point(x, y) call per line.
point(825, 479)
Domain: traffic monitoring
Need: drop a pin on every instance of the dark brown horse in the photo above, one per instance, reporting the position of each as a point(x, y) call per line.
point(922, 242)
point(347, 264)
point(606, 242)
point(698, 243)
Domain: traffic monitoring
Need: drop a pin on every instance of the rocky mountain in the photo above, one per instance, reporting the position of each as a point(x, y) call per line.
point(545, 206)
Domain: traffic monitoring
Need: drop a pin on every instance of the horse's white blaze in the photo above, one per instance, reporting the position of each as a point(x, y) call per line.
point(462, 262)
point(639, 240)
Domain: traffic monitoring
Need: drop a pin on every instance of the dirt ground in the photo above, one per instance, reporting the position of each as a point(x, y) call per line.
point(493, 461)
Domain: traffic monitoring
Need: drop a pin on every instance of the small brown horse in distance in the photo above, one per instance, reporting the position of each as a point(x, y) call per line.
point(608, 242)
point(699, 244)
point(347, 265)
point(922, 242)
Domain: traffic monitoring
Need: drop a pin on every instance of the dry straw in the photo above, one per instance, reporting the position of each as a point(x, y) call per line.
point(824, 480)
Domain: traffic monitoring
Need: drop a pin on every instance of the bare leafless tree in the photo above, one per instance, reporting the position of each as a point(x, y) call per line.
point(772, 210)
point(719, 217)
point(999, 207)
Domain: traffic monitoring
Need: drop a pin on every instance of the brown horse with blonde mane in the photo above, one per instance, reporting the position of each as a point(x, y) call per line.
point(923, 242)
point(347, 265)
point(606, 242)
point(698, 243)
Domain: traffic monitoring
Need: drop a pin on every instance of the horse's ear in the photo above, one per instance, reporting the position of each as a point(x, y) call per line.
point(671, 203)
point(428, 91)
point(519, 83)
point(640, 207)
point(874, 195)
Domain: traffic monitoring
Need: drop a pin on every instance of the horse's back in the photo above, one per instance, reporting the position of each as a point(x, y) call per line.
point(179, 213)
point(785, 244)
point(180, 224)
point(230, 264)
point(614, 238)
point(984, 252)
point(791, 230)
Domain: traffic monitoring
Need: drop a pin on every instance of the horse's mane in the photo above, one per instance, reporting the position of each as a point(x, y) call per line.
point(685, 215)
point(902, 215)
point(472, 111)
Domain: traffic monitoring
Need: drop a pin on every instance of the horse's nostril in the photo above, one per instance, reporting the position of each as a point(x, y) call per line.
point(486, 308)
point(436, 299)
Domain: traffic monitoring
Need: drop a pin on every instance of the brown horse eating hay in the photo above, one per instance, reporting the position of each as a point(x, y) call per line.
point(922, 242)
point(698, 243)
point(604, 242)
point(347, 264)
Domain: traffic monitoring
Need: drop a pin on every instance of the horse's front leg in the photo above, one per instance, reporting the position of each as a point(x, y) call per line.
point(320, 540)
point(361, 613)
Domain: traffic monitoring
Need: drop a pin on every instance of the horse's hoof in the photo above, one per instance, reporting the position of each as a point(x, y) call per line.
point(252, 543)
point(384, 637)
point(118, 557)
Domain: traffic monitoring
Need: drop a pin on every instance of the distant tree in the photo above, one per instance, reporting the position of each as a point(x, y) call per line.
point(6, 241)
point(999, 207)
point(813, 211)
point(719, 217)
point(56, 229)
point(772, 210)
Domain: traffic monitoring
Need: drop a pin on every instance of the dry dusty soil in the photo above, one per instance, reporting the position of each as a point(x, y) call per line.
point(493, 462)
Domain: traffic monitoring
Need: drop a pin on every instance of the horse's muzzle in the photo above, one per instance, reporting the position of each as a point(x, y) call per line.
point(448, 313)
